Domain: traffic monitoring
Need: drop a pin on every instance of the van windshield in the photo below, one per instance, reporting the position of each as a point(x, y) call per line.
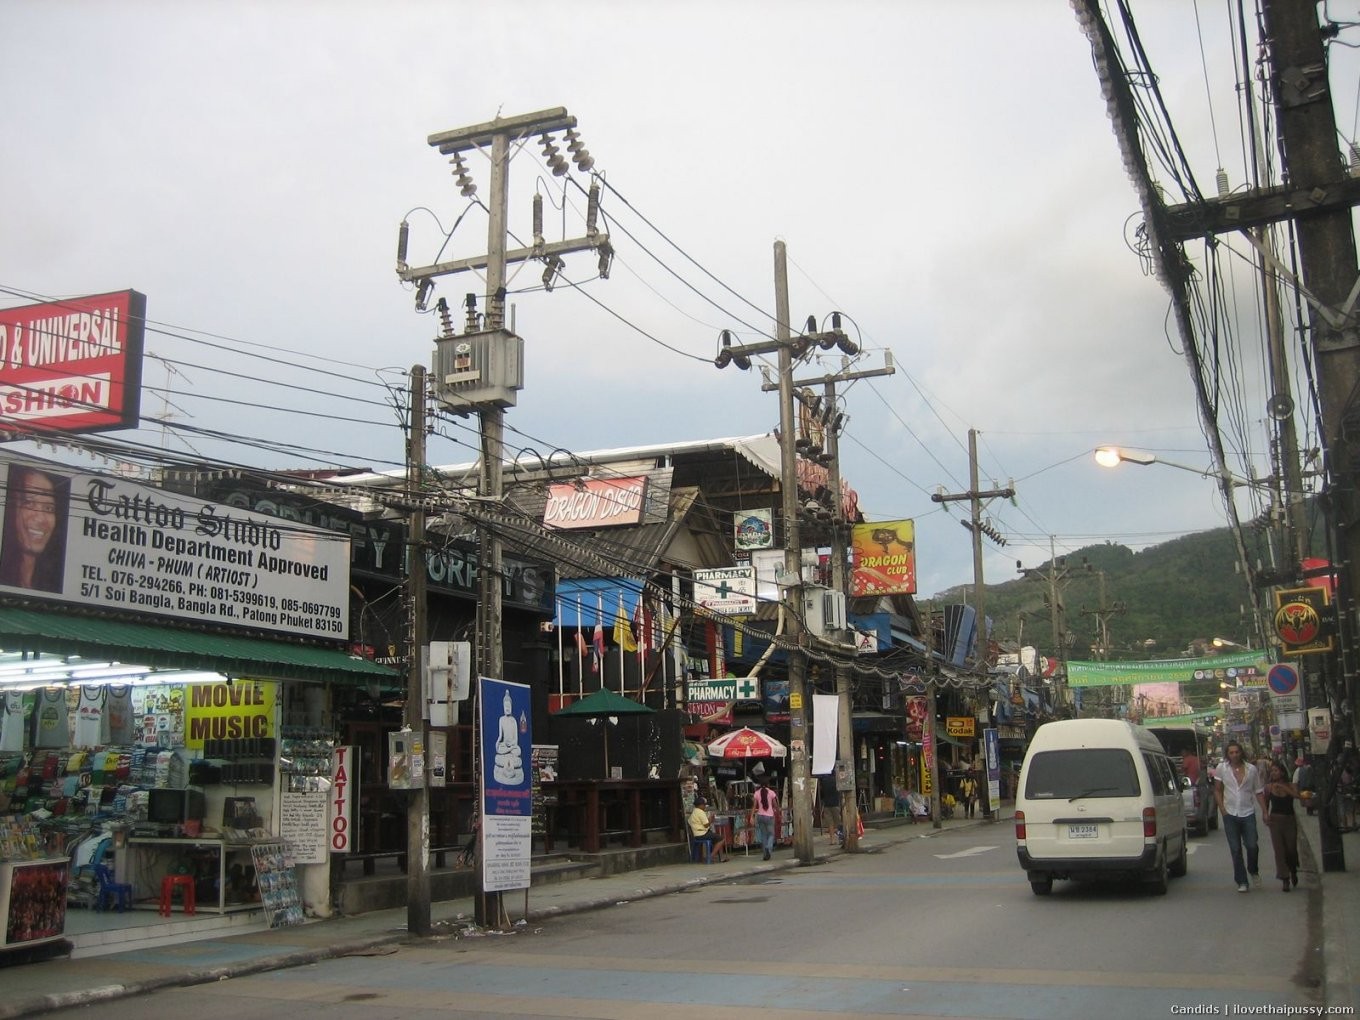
point(1081, 772)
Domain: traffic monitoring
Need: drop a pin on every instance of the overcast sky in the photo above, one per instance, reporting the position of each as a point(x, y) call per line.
point(943, 173)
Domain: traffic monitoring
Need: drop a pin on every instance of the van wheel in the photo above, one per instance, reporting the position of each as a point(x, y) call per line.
point(1041, 886)
point(1182, 863)
point(1159, 878)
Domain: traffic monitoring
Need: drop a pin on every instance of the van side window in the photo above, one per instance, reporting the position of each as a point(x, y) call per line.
point(1160, 772)
point(1070, 773)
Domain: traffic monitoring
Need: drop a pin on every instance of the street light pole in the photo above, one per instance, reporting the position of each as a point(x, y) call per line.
point(1112, 456)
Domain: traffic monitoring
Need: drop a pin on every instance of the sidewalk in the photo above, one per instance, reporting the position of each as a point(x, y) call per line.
point(1340, 892)
point(36, 988)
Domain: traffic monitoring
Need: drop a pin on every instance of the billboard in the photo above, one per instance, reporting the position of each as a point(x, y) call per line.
point(109, 543)
point(504, 718)
point(73, 365)
point(727, 591)
point(884, 558)
point(595, 503)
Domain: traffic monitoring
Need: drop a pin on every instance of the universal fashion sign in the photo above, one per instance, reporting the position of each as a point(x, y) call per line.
point(106, 542)
point(73, 365)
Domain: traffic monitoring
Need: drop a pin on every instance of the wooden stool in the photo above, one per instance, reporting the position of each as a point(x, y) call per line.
point(168, 886)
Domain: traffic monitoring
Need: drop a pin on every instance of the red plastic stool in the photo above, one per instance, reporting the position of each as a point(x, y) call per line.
point(168, 886)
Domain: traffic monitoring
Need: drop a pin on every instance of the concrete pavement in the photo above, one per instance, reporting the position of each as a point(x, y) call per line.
point(36, 988)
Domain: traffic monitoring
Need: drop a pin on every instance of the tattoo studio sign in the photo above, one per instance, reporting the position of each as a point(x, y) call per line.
point(107, 542)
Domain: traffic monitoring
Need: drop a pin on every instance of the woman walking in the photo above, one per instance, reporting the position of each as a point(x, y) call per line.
point(1283, 825)
point(767, 810)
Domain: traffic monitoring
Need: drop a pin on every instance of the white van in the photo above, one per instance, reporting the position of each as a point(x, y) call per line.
point(1099, 798)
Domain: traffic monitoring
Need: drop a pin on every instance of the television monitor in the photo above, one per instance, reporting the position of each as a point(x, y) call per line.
point(175, 807)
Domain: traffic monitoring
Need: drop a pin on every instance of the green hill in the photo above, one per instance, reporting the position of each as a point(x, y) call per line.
point(1172, 595)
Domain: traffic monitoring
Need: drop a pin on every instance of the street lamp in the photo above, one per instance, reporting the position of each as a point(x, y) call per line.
point(1113, 456)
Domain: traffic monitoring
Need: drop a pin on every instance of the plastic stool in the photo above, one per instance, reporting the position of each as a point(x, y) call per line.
point(168, 886)
point(111, 893)
point(701, 850)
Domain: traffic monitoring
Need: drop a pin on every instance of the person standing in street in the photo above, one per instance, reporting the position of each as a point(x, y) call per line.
point(968, 793)
point(767, 812)
point(1283, 825)
point(1239, 791)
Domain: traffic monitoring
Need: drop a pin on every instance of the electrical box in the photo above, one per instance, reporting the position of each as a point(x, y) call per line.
point(478, 370)
point(823, 611)
point(405, 760)
point(447, 677)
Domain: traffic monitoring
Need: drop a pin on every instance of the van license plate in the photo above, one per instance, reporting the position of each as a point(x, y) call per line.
point(1083, 831)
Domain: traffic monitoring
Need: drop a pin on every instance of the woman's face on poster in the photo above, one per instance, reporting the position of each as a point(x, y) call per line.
point(36, 516)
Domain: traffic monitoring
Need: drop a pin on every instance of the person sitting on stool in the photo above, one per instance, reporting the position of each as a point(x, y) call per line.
point(701, 828)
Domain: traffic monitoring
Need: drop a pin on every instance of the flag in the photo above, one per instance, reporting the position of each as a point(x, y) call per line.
point(581, 647)
point(640, 627)
point(623, 630)
point(599, 635)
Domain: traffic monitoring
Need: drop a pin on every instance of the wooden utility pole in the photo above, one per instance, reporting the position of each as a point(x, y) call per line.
point(1331, 283)
point(981, 655)
point(1318, 197)
point(831, 420)
point(484, 376)
point(413, 716)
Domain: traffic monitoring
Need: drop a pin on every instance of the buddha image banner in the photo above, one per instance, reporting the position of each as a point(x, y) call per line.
point(507, 786)
point(1247, 666)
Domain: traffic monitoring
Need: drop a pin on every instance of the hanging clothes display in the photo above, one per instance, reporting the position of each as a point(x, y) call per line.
point(89, 718)
point(12, 720)
point(119, 721)
point(50, 727)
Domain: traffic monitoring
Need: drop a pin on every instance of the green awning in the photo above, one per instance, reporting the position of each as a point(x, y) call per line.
point(944, 737)
point(30, 630)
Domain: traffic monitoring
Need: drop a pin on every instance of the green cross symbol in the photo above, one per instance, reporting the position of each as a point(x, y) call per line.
point(723, 590)
point(746, 689)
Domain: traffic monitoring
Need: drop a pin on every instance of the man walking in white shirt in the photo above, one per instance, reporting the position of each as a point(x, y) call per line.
point(1239, 790)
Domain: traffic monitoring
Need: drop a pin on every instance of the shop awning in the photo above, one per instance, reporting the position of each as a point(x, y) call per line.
point(945, 738)
point(29, 630)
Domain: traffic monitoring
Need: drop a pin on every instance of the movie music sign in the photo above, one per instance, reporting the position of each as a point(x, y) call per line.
point(106, 542)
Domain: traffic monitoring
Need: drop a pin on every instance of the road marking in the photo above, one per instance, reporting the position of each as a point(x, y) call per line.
point(972, 851)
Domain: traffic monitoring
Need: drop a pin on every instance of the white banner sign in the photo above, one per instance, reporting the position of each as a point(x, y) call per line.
point(727, 590)
point(342, 800)
point(106, 542)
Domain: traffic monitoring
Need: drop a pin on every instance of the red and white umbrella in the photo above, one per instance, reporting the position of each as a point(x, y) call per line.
point(746, 743)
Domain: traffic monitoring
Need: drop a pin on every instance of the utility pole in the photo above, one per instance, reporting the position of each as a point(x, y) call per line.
point(1056, 576)
point(833, 420)
point(788, 348)
point(1102, 615)
point(418, 802)
point(793, 567)
point(979, 527)
point(1327, 258)
point(483, 369)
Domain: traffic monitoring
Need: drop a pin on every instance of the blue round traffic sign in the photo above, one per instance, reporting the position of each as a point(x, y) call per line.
point(1282, 679)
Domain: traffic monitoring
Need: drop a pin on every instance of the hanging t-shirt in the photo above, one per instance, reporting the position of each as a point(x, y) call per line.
point(90, 717)
point(49, 719)
point(12, 719)
point(119, 722)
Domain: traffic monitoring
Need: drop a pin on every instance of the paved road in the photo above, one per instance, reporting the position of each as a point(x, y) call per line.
point(938, 927)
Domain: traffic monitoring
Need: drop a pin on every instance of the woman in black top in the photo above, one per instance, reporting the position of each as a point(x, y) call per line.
point(1283, 826)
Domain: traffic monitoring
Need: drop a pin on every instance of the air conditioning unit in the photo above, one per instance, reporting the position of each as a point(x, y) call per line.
point(823, 611)
point(478, 370)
